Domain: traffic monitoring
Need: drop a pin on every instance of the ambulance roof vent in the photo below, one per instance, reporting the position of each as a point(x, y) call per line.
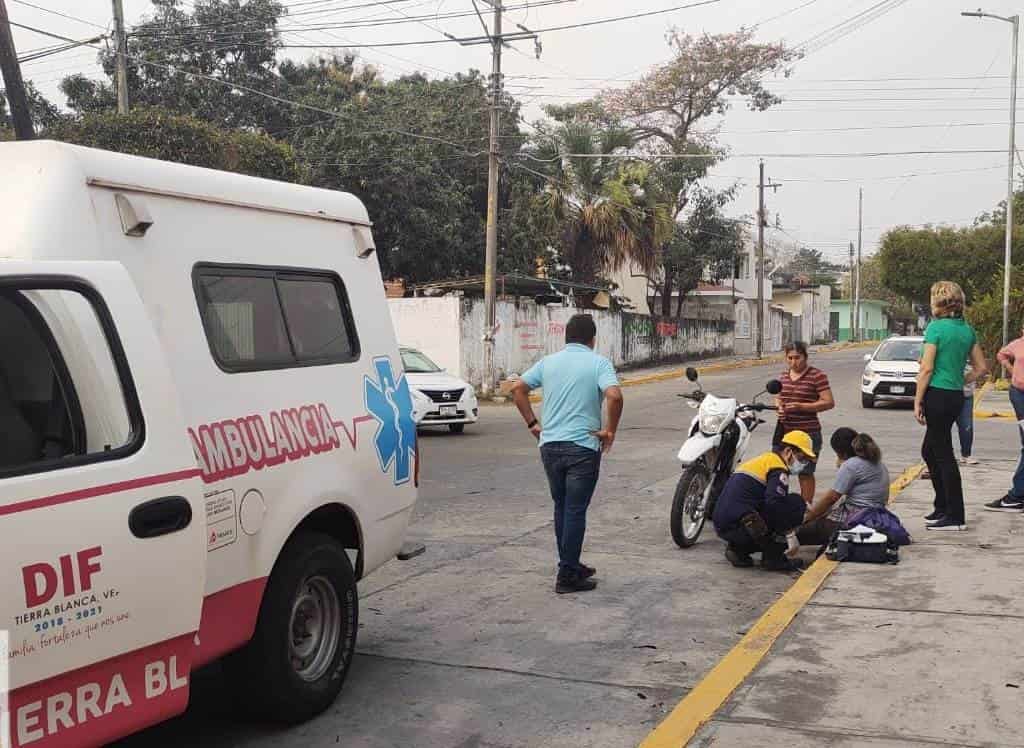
point(364, 241)
point(135, 217)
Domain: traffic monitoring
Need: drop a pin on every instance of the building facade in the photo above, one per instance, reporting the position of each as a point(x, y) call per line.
point(874, 320)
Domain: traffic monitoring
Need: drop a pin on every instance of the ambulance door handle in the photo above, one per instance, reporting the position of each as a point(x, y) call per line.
point(160, 517)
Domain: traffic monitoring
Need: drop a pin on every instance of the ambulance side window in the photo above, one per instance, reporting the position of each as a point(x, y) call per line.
point(268, 318)
point(62, 400)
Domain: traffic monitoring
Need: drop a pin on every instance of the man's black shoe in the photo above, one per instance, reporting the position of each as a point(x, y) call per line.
point(781, 564)
point(1005, 504)
point(586, 572)
point(737, 559)
point(933, 516)
point(568, 583)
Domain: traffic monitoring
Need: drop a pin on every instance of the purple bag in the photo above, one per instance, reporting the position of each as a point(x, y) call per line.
point(881, 519)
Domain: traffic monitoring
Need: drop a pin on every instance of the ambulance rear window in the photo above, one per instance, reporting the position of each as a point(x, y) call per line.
point(268, 318)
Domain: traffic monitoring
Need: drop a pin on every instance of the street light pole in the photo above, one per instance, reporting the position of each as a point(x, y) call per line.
point(1008, 258)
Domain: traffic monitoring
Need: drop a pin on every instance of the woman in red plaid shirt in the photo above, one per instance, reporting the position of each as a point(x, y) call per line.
point(806, 392)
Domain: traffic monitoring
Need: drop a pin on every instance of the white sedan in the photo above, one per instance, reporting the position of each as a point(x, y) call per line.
point(890, 373)
point(438, 398)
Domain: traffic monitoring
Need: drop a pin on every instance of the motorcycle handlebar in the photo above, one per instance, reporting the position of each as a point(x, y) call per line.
point(757, 406)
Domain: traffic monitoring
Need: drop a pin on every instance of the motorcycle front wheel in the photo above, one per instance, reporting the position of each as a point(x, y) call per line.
point(688, 505)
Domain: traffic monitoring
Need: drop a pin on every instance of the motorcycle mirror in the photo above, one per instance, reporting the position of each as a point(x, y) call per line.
point(691, 373)
point(774, 387)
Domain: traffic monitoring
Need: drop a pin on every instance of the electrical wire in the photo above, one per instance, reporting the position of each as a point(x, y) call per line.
point(585, 24)
point(58, 13)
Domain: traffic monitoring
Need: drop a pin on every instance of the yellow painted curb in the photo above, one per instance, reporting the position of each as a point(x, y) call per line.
point(714, 689)
point(985, 389)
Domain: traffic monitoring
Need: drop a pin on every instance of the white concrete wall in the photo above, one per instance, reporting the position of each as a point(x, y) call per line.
point(450, 331)
point(526, 333)
point(822, 305)
point(432, 326)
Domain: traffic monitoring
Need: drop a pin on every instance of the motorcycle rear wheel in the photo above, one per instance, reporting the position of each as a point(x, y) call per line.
point(688, 507)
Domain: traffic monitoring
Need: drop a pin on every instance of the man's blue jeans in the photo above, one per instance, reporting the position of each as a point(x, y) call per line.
point(1017, 400)
point(572, 473)
point(965, 427)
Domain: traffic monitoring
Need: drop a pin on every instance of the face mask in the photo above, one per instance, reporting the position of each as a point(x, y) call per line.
point(797, 467)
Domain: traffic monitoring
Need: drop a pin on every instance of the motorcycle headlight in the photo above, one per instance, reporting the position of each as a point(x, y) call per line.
point(713, 423)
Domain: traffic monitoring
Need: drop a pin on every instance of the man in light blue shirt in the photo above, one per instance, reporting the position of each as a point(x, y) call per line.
point(576, 383)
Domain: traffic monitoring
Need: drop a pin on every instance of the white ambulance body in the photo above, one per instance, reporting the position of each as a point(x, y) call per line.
point(206, 439)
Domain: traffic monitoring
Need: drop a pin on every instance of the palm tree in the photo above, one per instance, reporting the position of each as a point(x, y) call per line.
point(609, 209)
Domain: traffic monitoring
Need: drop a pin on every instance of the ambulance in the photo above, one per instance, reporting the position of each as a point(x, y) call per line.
point(206, 440)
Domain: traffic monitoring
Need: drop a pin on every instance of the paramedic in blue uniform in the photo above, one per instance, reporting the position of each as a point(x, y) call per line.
point(756, 505)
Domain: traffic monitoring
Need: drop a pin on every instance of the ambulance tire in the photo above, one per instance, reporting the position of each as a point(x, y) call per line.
point(266, 682)
point(456, 428)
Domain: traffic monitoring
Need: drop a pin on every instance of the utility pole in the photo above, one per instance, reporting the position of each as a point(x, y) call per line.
point(497, 39)
point(1008, 257)
point(13, 84)
point(852, 276)
point(121, 42)
point(491, 256)
point(860, 236)
point(759, 275)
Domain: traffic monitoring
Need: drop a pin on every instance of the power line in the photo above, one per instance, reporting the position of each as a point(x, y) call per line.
point(850, 25)
point(584, 24)
point(784, 14)
point(717, 157)
point(58, 13)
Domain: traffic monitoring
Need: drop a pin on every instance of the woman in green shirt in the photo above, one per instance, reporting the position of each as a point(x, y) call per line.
point(949, 342)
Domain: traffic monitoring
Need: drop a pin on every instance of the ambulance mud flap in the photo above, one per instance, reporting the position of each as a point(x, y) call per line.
point(411, 550)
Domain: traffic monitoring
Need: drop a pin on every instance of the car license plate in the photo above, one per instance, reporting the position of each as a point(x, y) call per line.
point(898, 390)
point(448, 411)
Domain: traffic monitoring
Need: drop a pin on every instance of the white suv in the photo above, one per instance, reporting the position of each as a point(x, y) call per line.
point(890, 373)
point(438, 398)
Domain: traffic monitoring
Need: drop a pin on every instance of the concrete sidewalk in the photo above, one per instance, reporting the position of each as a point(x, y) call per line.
point(927, 652)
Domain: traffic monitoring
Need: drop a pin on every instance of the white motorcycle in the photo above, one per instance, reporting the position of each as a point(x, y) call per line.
point(718, 440)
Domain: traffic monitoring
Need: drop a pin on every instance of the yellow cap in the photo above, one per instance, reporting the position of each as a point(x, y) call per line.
point(802, 441)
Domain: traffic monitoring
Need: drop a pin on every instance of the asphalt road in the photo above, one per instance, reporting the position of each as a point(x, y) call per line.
point(467, 646)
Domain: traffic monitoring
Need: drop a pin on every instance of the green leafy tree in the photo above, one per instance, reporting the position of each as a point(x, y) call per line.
point(872, 287)
point(986, 315)
point(44, 113)
point(705, 245)
point(415, 151)
point(912, 259)
point(155, 133)
point(182, 56)
point(810, 266)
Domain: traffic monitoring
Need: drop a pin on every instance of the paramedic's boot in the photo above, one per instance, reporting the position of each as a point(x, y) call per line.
point(737, 558)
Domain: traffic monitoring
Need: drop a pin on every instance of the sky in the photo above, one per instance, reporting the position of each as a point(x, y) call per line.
point(919, 77)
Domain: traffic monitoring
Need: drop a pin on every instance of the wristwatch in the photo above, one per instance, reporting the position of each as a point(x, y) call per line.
point(531, 424)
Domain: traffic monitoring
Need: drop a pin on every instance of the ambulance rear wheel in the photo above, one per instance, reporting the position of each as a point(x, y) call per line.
point(305, 637)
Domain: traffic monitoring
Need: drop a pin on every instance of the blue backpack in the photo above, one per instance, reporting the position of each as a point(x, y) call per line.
point(881, 519)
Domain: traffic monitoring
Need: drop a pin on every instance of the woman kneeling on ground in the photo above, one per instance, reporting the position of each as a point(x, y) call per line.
point(861, 483)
